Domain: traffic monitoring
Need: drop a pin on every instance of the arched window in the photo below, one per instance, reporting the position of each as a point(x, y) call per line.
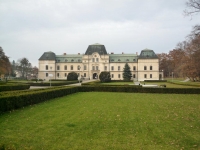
point(72, 67)
point(134, 67)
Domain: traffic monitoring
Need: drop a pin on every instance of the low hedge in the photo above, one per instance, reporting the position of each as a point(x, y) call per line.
point(52, 83)
point(155, 80)
point(139, 89)
point(18, 99)
point(59, 80)
point(184, 83)
point(12, 87)
point(10, 102)
point(121, 80)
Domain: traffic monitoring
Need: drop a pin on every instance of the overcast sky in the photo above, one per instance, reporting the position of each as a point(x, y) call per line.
point(28, 28)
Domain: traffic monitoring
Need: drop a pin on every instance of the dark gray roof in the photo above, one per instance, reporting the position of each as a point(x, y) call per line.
point(99, 48)
point(48, 56)
point(147, 54)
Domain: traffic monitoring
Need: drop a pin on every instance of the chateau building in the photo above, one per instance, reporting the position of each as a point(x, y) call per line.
point(95, 60)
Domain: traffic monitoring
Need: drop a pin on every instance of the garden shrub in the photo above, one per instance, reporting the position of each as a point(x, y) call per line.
point(72, 76)
point(105, 76)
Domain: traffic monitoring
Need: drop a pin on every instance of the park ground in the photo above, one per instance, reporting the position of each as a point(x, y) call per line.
point(95, 120)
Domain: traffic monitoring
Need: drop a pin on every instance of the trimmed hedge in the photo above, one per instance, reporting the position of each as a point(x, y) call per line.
point(11, 102)
point(52, 83)
point(121, 80)
point(155, 80)
point(59, 80)
point(12, 87)
point(184, 83)
point(139, 89)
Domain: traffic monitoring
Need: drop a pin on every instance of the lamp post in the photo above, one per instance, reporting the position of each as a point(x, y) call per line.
point(79, 78)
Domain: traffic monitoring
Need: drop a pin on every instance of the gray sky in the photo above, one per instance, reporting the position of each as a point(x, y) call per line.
point(28, 28)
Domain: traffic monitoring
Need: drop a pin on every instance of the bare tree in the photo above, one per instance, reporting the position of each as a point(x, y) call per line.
point(193, 7)
point(24, 67)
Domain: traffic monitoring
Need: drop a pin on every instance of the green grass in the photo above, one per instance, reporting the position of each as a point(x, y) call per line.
point(168, 84)
point(101, 121)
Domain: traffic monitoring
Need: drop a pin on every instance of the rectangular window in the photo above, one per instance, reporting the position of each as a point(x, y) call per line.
point(93, 67)
point(145, 67)
point(65, 68)
point(47, 74)
point(97, 59)
point(97, 67)
point(105, 68)
point(65, 74)
point(84, 74)
point(119, 75)
point(47, 67)
point(133, 75)
point(112, 75)
point(85, 67)
point(58, 75)
point(93, 59)
point(78, 67)
point(134, 67)
point(58, 67)
point(150, 75)
point(112, 67)
point(151, 67)
point(145, 75)
point(118, 68)
point(72, 67)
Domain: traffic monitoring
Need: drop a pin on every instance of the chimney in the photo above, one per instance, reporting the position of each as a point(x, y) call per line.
point(122, 52)
point(64, 53)
point(78, 53)
point(136, 53)
point(112, 53)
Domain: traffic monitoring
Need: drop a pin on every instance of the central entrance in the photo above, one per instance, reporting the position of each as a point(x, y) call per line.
point(95, 76)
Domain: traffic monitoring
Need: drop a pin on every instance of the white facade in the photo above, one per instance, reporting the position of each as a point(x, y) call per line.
point(95, 60)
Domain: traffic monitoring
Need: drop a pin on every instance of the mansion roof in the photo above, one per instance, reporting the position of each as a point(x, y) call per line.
point(99, 48)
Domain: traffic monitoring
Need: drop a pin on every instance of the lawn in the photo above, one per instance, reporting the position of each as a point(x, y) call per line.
point(168, 84)
point(101, 121)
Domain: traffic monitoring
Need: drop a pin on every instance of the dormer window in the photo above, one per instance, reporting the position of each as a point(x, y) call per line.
point(119, 60)
point(66, 60)
point(72, 60)
point(127, 59)
point(79, 60)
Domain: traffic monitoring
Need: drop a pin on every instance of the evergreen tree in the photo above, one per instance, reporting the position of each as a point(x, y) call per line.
point(127, 73)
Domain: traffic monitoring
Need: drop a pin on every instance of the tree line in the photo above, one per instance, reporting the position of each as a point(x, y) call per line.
point(184, 60)
point(22, 68)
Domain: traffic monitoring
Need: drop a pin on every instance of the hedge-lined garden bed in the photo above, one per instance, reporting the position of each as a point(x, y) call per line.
point(18, 99)
point(52, 83)
point(14, 100)
point(13, 86)
point(185, 83)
